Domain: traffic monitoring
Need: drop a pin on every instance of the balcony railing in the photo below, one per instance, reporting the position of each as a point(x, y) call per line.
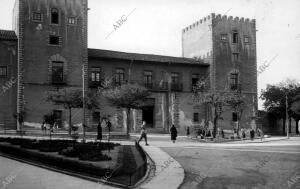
point(154, 86)
point(94, 84)
point(58, 80)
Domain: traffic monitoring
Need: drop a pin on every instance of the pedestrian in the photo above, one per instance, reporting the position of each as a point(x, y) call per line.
point(143, 133)
point(173, 132)
point(252, 134)
point(55, 125)
point(188, 131)
point(222, 133)
point(243, 133)
point(261, 134)
point(43, 126)
point(99, 131)
point(108, 125)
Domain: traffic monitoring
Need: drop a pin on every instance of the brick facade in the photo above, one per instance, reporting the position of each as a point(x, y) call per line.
point(45, 40)
point(8, 81)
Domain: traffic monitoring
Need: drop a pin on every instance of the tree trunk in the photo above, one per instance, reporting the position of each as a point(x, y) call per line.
point(283, 123)
point(297, 126)
point(215, 123)
point(290, 125)
point(70, 120)
point(128, 122)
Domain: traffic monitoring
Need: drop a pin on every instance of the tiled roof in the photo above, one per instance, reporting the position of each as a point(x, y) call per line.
point(8, 35)
point(99, 53)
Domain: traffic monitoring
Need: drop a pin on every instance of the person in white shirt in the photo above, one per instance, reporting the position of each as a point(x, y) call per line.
point(143, 133)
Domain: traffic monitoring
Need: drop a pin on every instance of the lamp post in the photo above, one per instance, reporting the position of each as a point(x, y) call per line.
point(83, 102)
point(287, 116)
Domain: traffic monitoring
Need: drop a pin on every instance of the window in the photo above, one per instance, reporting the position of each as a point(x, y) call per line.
point(235, 37)
point(196, 117)
point(148, 78)
point(53, 40)
point(95, 74)
point(175, 78)
point(57, 72)
point(120, 76)
point(234, 116)
point(36, 16)
point(71, 20)
point(54, 16)
point(223, 37)
point(3, 71)
point(235, 57)
point(234, 81)
point(246, 39)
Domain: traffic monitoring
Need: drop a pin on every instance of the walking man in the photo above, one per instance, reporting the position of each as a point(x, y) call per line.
point(173, 132)
point(99, 131)
point(143, 133)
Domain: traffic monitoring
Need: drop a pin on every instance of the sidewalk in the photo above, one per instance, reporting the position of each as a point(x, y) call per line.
point(169, 174)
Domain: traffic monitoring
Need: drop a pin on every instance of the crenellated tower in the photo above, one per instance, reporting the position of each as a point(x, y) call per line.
point(229, 45)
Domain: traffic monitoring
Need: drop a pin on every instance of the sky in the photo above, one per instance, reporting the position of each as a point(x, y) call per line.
point(155, 26)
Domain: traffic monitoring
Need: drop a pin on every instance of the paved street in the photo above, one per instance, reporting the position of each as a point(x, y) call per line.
point(254, 165)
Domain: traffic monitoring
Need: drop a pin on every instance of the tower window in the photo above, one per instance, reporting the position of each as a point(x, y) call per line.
point(223, 37)
point(71, 20)
point(246, 39)
point(234, 81)
point(234, 116)
point(3, 71)
point(57, 72)
point(54, 16)
point(53, 40)
point(196, 117)
point(235, 37)
point(36, 16)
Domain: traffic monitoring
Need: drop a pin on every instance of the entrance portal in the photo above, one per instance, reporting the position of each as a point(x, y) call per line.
point(148, 112)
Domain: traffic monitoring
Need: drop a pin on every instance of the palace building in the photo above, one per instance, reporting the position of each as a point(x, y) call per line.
point(47, 50)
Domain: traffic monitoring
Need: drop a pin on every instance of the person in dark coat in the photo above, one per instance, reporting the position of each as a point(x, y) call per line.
point(99, 131)
point(173, 132)
point(108, 125)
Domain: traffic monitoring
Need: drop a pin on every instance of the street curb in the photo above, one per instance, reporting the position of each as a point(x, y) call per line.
point(167, 175)
point(150, 170)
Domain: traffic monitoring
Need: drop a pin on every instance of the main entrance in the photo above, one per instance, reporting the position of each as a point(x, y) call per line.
point(148, 112)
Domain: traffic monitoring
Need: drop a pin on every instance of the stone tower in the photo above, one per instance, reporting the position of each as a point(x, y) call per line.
point(229, 45)
point(52, 51)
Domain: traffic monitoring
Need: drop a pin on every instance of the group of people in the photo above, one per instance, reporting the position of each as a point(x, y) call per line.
point(99, 129)
point(46, 126)
point(173, 133)
point(258, 132)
